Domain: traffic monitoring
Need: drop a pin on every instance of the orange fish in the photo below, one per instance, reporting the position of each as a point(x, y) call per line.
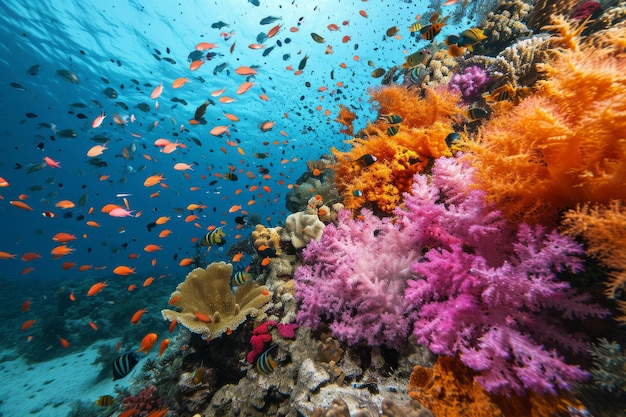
point(202, 317)
point(243, 70)
point(64, 342)
point(266, 261)
point(3, 182)
point(162, 220)
point(132, 287)
point(152, 248)
point(157, 91)
point(173, 325)
point(179, 82)
point(148, 281)
point(30, 256)
point(164, 344)
point(97, 121)
point(61, 251)
point(68, 265)
point(27, 324)
point(123, 270)
point(21, 204)
point(95, 288)
point(93, 325)
point(165, 233)
point(26, 305)
point(185, 262)
point(63, 237)
point(173, 300)
point(153, 180)
point(196, 64)
point(363, 13)
point(237, 257)
point(273, 31)
point(202, 46)
point(65, 204)
point(93, 223)
point(72, 296)
point(245, 86)
point(137, 316)
point(148, 342)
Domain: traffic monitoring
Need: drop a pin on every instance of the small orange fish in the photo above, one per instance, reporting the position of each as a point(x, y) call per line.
point(153, 180)
point(152, 248)
point(21, 204)
point(265, 261)
point(27, 324)
point(162, 220)
point(202, 317)
point(97, 121)
point(173, 325)
point(179, 82)
point(64, 342)
point(93, 325)
point(132, 287)
point(72, 296)
point(237, 257)
point(185, 262)
point(26, 305)
point(95, 288)
point(173, 300)
point(123, 270)
point(164, 344)
point(156, 93)
point(148, 281)
point(137, 316)
point(148, 342)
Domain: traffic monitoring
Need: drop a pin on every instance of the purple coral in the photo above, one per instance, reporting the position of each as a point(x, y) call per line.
point(470, 83)
point(470, 283)
point(585, 9)
point(146, 401)
point(354, 277)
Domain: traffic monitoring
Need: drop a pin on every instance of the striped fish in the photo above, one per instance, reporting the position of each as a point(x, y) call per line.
point(214, 237)
point(240, 278)
point(266, 363)
point(123, 364)
point(104, 401)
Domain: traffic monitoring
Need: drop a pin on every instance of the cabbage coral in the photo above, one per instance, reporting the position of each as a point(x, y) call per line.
point(426, 122)
point(564, 145)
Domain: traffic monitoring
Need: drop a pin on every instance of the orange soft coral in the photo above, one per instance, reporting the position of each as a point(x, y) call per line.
point(604, 230)
point(426, 122)
point(346, 118)
point(565, 144)
point(449, 390)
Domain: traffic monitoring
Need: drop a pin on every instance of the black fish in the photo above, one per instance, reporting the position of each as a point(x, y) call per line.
point(34, 70)
point(266, 363)
point(254, 2)
point(201, 110)
point(267, 51)
point(302, 63)
point(151, 226)
point(110, 92)
point(240, 219)
point(144, 107)
point(218, 25)
point(123, 364)
point(220, 68)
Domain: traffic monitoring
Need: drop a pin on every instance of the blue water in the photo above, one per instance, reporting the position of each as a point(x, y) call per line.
point(110, 44)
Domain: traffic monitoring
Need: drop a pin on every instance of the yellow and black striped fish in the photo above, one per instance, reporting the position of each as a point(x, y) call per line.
point(104, 401)
point(392, 119)
point(266, 363)
point(240, 278)
point(415, 27)
point(476, 113)
point(392, 130)
point(230, 176)
point(214, 237)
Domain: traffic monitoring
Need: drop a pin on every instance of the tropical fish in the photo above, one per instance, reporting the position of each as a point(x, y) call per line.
point(416, 58)
point(147, 343)
point(137, 316)
point(240, 278)
point(392, 130)
point(430, 31)
point(214, 237)
point(266, 364)
point(392, 31)
point(415, 27)
point(476, 113)
point(317, 38)
point(378, 72)
point(68, 76)
point(230, 176)
point(104, 401)
point(417, 74)
point(505, 92)
point(391, 118)
point(269, 20)
point(303, 62)
point(96, 288)
point(123, 364)
point(365, 160)
point(471, 37)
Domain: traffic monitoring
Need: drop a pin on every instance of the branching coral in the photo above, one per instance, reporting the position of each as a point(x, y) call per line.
point(426, 122)
point(563, 145)
point(481, 290)
point(208, 305)
point(346, 118)
point(449, 387)
point(604, 230)
point(609, 371)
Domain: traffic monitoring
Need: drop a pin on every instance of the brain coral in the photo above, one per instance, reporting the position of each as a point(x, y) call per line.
point(208, 305)
point(426, 121)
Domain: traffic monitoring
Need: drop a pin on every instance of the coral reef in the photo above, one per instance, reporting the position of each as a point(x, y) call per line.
point(426, 122)
point(505, 25)
point(346, 118)
point(604, 230)
point(609, 371)
point(470, 83)
point(564, 144)
point(449, 389)
point(208, 305)
point(339, 408)
point(264, 236)
point(309, 186)
point(145, 401)
point(301, 228)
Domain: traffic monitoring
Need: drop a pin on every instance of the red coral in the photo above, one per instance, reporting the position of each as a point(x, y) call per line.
point(260, 336)
point(146, 401)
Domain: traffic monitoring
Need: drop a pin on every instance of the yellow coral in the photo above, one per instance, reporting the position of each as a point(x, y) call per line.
point(426, 122)
point(563, 145)
point(263, 236)
point(207, 293)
